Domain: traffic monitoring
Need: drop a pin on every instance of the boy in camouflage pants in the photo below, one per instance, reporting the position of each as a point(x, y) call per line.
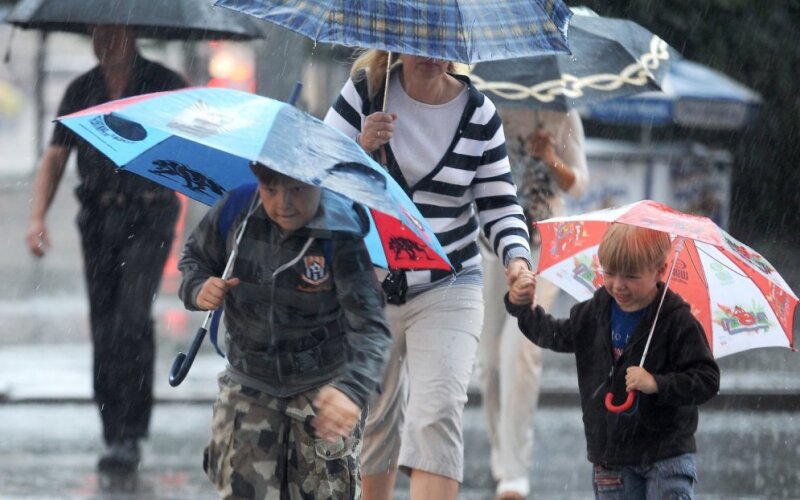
point(306, 340)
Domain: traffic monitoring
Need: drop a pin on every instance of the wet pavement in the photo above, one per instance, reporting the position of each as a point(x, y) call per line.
point(749, 436)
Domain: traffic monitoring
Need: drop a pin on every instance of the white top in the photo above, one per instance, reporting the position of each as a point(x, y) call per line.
point(420, 144)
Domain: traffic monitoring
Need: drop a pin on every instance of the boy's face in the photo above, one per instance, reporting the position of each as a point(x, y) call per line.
point(289, 203)
point(633, 290)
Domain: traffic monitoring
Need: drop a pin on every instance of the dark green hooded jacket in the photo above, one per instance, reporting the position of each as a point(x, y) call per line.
point(308, 310)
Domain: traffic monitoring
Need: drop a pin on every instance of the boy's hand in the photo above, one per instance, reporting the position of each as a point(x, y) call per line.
point(522, 289)
point(337, 414)
point(213, 291)
point(639, 379)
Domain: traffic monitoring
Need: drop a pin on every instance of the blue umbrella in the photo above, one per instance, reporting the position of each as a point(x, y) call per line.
point(201, 141)
point(692, 95)
point(467, 31)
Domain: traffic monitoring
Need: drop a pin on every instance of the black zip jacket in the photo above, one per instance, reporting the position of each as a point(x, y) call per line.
point(663, 424)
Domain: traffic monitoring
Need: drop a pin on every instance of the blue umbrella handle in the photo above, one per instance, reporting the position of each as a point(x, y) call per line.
point(295, 93)
point(183, 362)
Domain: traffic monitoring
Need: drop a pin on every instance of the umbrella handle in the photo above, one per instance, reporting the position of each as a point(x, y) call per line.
point(610, 406)
point(183, 362)
point(298, 86)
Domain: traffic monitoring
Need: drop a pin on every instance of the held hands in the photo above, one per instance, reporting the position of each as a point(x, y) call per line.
point(639, 379)
point(37, 238)
point(213, 291)
point(521, 285)
point(378, 128)
point(337, 414)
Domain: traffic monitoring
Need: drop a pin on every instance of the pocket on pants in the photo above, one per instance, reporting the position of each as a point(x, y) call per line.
point(217, 454)
point(607, 480)
point(329, 470)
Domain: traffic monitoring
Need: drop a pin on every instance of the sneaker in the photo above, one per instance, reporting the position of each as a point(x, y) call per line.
point(122, 456)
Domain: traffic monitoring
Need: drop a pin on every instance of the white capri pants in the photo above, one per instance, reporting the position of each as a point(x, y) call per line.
point(416, 422)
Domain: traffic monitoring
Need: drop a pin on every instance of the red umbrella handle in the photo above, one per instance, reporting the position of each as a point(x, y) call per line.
point(610, 406)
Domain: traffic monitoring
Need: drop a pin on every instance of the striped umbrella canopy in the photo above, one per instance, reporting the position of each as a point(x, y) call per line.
point(467, 31)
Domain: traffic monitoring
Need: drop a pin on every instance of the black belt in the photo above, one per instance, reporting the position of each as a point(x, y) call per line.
point(109, 199)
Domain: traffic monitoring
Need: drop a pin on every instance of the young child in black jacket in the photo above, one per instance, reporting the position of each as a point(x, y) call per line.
point(649, 451)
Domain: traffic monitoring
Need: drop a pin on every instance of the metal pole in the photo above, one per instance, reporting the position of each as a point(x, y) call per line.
point(38, 92)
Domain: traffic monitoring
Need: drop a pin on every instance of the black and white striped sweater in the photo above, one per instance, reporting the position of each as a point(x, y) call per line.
point(475, 168)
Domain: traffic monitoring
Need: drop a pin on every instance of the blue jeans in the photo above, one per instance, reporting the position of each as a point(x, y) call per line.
point(669, 479)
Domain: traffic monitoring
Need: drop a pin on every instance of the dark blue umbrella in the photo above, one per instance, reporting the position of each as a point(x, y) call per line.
point(692, 95)
point(467, 31)
point(610, 58)
point(161, 19)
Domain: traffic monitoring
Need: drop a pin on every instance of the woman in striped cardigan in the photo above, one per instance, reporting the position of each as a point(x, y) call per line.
point(443, 142)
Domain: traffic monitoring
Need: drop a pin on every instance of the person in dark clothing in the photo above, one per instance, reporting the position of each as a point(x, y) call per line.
point(306, 339)
point(648, 452)
point(126, 225)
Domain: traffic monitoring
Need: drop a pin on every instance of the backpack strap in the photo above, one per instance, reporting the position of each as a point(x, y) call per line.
point(236, 203)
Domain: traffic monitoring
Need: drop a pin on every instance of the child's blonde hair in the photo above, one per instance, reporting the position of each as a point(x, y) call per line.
point(631, 249)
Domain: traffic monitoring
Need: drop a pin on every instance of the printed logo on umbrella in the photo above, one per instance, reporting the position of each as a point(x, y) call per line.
point(192, 180)
point(587, 272)
point(203, 120)
point(119, 129)
point(412, 249)
point(739, 320)
point(749, 256)
point(568, 235)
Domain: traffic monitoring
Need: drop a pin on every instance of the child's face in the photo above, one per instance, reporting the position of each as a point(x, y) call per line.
point(633, 290)
point(290, 204)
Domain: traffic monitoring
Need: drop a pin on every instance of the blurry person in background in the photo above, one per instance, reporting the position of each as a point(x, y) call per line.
point(126, 225)
point(546, 150)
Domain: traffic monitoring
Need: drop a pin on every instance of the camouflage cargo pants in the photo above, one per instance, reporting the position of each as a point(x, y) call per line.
point(263, 447)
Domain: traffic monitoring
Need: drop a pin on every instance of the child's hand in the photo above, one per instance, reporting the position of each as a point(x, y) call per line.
point(337, 414)
point(213, 291)
point(522, 289)
point(639, 379)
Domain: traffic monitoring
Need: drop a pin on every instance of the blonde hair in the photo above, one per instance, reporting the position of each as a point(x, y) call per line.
point(375, 62)
point(631, 249)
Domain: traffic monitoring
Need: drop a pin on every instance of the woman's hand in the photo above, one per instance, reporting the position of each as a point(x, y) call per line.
point(378, 128)
point(213, 291)
point(337, 414)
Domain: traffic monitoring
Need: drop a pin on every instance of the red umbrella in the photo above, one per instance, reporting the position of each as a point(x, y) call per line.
point(736, 294)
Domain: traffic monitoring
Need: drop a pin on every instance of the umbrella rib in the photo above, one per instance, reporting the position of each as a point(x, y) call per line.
point(736, 270)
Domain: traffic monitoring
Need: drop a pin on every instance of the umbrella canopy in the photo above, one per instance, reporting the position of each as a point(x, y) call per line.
point(467, 31)
point(610, 58)
point(692, 95)
point(739, 298)
point(168, 20)
point(201, 141)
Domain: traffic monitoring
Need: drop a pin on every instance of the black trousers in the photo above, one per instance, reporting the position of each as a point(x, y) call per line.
point(124, 251)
